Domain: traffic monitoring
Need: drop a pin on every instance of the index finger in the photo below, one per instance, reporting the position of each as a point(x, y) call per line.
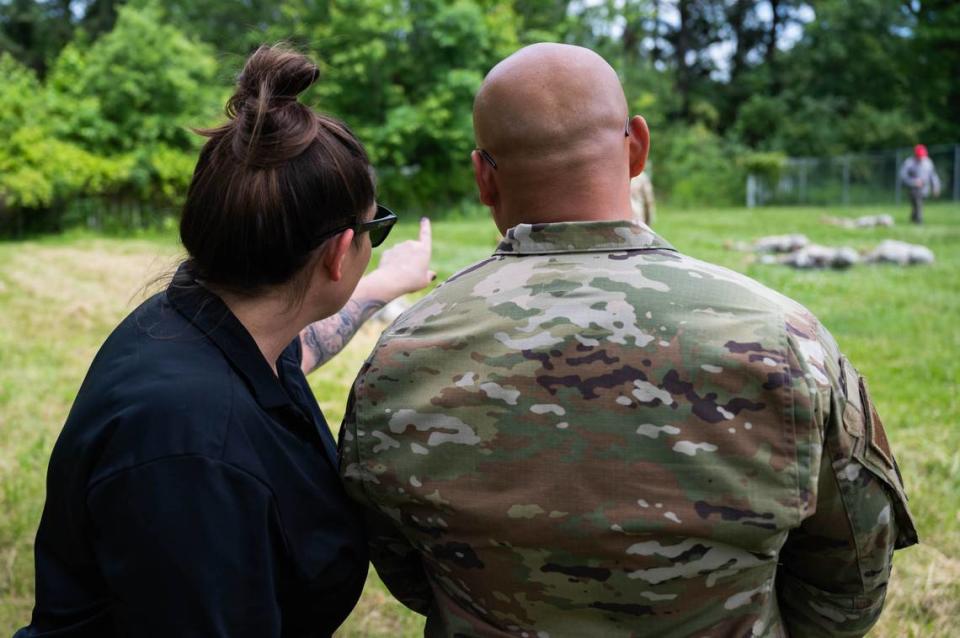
point(426, 234)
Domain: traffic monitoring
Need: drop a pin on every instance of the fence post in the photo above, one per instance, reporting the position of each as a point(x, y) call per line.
point(846, 180)
point(896, 177)
point(956, 172)
point(751, 190)
point(803, 183)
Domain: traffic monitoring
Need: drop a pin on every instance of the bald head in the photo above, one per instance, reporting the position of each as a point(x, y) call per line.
point(552, 117)
point(548, 99)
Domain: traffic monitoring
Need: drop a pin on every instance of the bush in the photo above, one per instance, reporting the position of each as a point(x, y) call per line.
point(767, 166)
point(141, 85)
point(403, 76)
point(112, 121)
point(694, 166)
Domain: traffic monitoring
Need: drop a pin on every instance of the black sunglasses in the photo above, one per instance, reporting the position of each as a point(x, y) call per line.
point(378, 227)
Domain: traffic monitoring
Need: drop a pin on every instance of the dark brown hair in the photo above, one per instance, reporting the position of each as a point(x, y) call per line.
point(271, 180)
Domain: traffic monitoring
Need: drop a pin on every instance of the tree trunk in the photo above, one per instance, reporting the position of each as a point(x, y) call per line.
point(656, 52)
point(737, 17)
point(770, 55)
point(680, 57)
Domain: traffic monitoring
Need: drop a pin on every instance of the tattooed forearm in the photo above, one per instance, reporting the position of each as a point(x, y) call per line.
point(324, 339)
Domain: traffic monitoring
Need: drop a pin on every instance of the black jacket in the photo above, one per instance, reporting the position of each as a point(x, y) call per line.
point(192, 492)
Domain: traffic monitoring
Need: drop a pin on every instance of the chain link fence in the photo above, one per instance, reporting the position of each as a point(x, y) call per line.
point(866, 178)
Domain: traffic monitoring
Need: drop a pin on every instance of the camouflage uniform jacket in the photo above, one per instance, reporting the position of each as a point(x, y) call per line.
point(591, 434)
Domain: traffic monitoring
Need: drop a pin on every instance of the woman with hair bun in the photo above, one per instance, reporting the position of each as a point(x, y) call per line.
point(194, 488)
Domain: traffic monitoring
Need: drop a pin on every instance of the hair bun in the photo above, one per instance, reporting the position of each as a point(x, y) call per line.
point(268, 124)
point(273, 75)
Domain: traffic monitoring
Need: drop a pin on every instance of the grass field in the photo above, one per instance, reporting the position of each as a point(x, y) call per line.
point(60, 297)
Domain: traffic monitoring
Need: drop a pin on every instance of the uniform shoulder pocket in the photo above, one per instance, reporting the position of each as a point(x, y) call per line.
point(869, 479)
point(878, 457)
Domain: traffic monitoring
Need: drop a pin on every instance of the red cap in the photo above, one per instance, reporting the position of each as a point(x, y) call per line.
point(920, 150)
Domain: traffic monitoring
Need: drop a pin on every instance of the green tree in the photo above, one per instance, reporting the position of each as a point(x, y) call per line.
point(933, 63)
point(403, 75)
point(852, 51)
point(694, 165)
point(116, 86)
point(37, 170)
point(544, 20)
point(21, 183)
point(232, 29)
point(136, 92)
point(866, 74)
point(35, 30)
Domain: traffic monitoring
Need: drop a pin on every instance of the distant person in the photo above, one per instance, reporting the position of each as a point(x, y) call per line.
point(194, 488)
point(920, 176)
point(592, 434)
point(642, 201)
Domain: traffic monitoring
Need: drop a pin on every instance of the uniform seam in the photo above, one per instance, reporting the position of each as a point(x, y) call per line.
point(582, 251)
point(827, 444)
point(850, 528)
point(230, 405)
point(472, 268)
point(175, 457)
point(358, 387)
point(791, 416)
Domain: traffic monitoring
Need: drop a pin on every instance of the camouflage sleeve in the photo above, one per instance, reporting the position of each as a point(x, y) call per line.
point(834, 568)
point(397, 562)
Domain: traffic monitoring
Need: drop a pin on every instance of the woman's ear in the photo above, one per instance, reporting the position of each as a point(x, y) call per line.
point(335, 252)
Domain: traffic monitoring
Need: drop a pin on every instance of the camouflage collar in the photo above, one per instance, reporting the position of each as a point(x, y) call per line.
point(579, 237)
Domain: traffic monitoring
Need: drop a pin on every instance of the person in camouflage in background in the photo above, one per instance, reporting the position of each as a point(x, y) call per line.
point(592, 434)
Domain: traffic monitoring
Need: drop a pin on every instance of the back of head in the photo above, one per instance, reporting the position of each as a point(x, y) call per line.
point(552, 116)
point(272, 180)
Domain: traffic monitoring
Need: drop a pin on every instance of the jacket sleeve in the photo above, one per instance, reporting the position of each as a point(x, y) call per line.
point(934, 180)
point(396, 560)
point(907, 172)
point(834, 568)
point(189, 547)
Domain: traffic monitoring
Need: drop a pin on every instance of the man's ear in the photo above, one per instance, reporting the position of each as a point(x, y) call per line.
point(335, 252)
point(639, 144)
point(486, 183)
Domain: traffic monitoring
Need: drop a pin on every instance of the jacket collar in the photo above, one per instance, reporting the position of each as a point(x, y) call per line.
point(213, 318)
point(578, 237)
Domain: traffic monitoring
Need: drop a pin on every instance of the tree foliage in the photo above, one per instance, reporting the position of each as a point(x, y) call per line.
point(141, 85)
point(111, 119)
point(100, 95)
point(36, 167)
point(403, 75)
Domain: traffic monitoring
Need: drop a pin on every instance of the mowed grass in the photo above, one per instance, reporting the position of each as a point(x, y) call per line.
point(61, 296)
